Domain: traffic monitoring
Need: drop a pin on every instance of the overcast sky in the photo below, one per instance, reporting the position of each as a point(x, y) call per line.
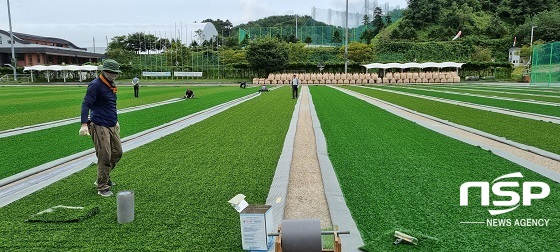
point(79, 21)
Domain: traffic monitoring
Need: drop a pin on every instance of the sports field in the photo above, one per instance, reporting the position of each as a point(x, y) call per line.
point(395, 174)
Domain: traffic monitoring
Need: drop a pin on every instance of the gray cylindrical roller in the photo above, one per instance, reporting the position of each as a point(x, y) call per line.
point(125, 206)
point(301, 235)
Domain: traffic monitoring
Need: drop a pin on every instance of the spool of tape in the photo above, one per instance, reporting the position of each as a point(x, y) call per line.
point(125, 206)
point(301, 235)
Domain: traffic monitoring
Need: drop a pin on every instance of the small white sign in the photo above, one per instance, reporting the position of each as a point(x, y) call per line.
point(156, 74)
point(188, 74)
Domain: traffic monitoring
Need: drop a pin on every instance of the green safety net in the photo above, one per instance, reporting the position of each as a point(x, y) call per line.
point(316, 35)
point(545, 64)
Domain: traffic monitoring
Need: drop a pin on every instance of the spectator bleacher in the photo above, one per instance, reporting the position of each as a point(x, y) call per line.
point(360, 78)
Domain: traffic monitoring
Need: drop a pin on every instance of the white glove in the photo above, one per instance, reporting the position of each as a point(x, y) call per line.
point(118, 128)
point(84, 131)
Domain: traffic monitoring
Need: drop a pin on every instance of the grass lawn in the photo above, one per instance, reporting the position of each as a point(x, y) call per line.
point(397, 175)
point(182, 183)
point(27, 105)
point(519, 90)
point(494, 93)
point(526, 131)
point(21, 152)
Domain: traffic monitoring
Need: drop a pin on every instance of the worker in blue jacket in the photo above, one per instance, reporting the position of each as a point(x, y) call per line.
point(102, 125)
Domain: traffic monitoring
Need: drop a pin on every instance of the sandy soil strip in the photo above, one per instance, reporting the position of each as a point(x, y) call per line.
point(306, 195)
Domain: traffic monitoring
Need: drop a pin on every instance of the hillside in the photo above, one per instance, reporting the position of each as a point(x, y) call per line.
point(440, 20)
point(280, 21)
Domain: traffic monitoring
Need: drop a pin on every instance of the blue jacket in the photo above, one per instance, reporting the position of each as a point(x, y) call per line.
point(102, 102)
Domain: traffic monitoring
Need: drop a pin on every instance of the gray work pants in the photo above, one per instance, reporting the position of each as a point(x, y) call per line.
point(108, 149)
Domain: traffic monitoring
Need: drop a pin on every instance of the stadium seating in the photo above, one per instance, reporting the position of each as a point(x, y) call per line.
point(361, 78)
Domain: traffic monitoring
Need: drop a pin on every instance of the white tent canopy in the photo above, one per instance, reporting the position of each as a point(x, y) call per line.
point(60, 68)
point(414, 65)
point(84, 68)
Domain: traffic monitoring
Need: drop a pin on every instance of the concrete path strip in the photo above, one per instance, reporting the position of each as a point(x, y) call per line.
point(491, 91)
point(528, 115)
point(487, 96)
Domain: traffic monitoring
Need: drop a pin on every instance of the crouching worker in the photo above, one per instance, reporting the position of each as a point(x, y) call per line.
point(263, 89)
point(189, 94)
point(103, 126)
point(242, 84)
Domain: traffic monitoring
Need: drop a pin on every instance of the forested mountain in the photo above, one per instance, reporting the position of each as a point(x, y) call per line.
point(440, 20)
point(285, 20)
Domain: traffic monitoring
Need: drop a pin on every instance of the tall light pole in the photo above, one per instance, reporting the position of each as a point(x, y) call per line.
point(346, 42)
point(532, 28)
point(531, 56)
point(296, 26)
point(14, 62)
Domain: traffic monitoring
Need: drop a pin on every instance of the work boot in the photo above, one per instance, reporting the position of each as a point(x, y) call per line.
point(105, 193)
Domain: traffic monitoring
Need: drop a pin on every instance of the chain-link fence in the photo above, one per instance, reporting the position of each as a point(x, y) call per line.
point(545, 64)
point(316, 35)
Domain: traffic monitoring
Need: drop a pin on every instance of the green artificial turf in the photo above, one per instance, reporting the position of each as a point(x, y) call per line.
point(526, 131)
point(514, 105)
point(21, 152)
point(182, 183)
point(528, 89)
point(511, 89)
point(494, 93)
point(27, 105)
point(63, 214)
point(399, 176)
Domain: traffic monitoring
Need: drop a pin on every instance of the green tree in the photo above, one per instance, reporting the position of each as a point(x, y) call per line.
point(548, 28)
point(291, 39)
point(548, 25)
point(496, 28)
point(117, 42)
point(367, 35)
point(388, 20)
point(230, 56)
point(297, 53)
point(176, 53)
point(245, 40)
point(336, 37)
point(308, 40)
point(121, 55)
point(377, 22)
point(365, 20)
point(423, 12)
point(358, 52)
point(517, 11)
point(142, 42)
point(481, 54)
point(266, 55)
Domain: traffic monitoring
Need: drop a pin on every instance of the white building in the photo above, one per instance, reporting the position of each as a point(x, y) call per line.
point(515, 56)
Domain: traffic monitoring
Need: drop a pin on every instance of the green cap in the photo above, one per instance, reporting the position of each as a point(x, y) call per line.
point(110, 66)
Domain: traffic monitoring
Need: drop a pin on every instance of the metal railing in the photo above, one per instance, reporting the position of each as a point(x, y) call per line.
point(20, 78)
